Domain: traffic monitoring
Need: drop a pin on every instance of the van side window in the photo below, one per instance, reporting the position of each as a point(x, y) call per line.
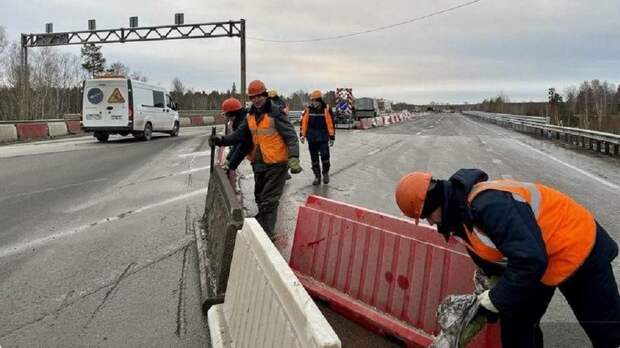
point(158, 99)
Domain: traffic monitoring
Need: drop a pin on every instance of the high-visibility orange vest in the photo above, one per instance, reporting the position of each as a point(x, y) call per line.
point(305, 119)
point(272, 147)
point(568, 229)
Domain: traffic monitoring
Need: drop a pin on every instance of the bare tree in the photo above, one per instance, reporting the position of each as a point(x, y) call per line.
point(118, 68)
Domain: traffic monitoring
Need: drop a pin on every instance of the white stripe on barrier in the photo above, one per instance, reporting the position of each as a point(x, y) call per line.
point(266, 305)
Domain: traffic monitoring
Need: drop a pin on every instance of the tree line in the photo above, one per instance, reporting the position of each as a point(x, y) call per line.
point(591, 105)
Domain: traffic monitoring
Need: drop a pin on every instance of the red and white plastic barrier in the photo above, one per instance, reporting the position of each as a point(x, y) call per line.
point(386, 273)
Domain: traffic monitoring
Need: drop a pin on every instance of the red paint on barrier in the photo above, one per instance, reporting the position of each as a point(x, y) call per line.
point(74, 127)
point(196, 120)
point(34, 130)
point(382, 271)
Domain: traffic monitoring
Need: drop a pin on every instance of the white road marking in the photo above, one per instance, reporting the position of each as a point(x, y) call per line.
point(195, 154)
point(21, 247)
point(418, 133)
point(577, 169)
point(194, 170)
point(497, 161)
point(373, 152)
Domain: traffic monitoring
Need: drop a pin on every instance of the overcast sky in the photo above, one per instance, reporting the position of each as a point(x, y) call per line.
point(517, 47)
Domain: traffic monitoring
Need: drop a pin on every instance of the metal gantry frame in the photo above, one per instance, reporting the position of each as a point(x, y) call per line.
point(137, 34)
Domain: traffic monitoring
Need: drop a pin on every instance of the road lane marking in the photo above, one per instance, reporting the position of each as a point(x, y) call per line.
point(374, 152)
point(196, 154)
point(21, 247)
point(577, 169)
point(497, 161)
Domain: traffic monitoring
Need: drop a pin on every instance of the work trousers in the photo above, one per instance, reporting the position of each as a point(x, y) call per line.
point(268, 188)
point(591, 292)
point(319, 156)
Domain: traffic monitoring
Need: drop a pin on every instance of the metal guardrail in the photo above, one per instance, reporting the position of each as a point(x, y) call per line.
point(594, 140)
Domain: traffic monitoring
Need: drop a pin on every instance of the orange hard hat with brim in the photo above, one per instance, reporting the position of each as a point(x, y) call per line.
point(316, 95)
point(256, 87)
point(231, 104)
point(411, 192)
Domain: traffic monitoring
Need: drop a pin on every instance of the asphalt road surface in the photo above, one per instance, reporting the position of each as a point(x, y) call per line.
point(96, 242)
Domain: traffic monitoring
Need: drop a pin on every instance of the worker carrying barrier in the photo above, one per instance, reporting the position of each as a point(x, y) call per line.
point(266, 305)
point(386, 273)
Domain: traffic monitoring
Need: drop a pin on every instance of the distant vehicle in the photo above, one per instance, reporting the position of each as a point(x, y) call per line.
point(117, 105)
point(385, 106)
point(365, 107)
point(343, 110)
point(294, 116)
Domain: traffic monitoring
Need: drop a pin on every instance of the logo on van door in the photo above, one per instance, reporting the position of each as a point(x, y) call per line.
point(95, 95)
point(116, 97)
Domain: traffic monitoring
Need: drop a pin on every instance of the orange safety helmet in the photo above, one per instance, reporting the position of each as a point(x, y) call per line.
point(256, 87)
point(316, 94)
point(411, 193)
point(231, 104)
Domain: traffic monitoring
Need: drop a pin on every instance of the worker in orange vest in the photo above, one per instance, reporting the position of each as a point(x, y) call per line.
point(235, 113)
point(535, 238)
point(317, 125)
point(275, 149)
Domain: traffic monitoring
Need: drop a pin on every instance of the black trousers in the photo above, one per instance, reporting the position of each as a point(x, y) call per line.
point(268, 188)
point(591, 292)
point(319, 155)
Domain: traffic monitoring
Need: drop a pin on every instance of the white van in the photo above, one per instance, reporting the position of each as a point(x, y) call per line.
point(117, 105)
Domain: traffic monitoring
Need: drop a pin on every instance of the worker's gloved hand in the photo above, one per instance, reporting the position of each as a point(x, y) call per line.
point(332, 140)
point(226, 165)
point(293, 163)
point(487, 308)
point(302, 139)
point(215, 140)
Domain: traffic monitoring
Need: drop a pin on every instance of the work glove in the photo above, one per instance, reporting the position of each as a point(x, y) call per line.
point(485, 301)
point(332, 141)
point(293, 164)
point(215, 140)
point(302, 139)
point(226, 165)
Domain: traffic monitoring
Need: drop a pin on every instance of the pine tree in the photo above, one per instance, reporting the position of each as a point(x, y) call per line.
point(92, 59)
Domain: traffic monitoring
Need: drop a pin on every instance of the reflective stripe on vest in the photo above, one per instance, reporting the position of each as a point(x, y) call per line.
point(272, 147)
point(568, 229)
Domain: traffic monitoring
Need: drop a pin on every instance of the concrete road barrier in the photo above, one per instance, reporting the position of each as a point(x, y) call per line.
point(384, 272)
point(8, 133)
point(74, 127)
point(222, 218)
point(207, 120)
point(185, 121)
point(266, 305)
point(197, 120)
point(57, 129)
point(31, 130)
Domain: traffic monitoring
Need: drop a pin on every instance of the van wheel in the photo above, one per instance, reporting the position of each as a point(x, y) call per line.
point(148, 132)
point(175, 130)
point(102, 137)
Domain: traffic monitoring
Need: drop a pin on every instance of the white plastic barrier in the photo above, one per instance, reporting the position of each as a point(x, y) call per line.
point(266, 305)
point(57, 129)
point(8, 133)
point(185, 121)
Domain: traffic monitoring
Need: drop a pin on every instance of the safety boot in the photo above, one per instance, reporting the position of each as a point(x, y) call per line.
point(316, 169)
point(326, 166)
